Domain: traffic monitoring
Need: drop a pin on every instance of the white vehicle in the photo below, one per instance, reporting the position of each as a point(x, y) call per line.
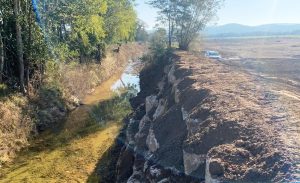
point(213, 55)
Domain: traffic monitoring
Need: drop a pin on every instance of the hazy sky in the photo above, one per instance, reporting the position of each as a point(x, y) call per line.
point(248, 12)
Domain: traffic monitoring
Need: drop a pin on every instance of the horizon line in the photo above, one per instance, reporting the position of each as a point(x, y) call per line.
point(254, 25)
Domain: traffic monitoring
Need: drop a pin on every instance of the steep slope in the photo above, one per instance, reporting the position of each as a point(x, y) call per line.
point(199, 120)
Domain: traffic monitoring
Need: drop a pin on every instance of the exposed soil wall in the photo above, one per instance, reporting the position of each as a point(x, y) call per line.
point(197, 120)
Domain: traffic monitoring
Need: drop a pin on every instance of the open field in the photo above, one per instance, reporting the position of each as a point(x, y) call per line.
point(275, 65)
point(269, 57)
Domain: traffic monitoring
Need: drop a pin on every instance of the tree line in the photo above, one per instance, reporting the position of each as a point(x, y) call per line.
point(33, 33)
point(36, 32)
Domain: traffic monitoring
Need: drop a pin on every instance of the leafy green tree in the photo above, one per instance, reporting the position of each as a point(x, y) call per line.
point(185, 18)
point(63, 31)
point(167, 13)
point(192, 17)
point(120, 21)
point(87, 27)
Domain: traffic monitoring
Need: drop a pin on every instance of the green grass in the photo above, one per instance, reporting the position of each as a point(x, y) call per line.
point(114, 109)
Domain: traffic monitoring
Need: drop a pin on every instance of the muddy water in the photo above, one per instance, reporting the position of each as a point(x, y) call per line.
point(67, 156)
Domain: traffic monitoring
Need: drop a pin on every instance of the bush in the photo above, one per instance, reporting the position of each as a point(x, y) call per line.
point(158, 42)
point(3, 90)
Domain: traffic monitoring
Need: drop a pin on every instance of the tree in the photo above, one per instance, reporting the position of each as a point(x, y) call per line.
point(22, 45)
point(1, 53)
point(120, 21)
point(158, 41)
point(193, 16)
point(19, 45)
point(141, 33)
point(85, 27)
point(33, 32)
point(186, 18)
point(166, 15)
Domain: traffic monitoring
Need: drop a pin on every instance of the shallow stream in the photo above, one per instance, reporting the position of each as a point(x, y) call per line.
point(72, 153)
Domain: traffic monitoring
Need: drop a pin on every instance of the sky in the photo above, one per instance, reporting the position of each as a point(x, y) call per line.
point(247, 12)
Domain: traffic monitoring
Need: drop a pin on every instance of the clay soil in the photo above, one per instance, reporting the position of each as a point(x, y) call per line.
point(270, 72)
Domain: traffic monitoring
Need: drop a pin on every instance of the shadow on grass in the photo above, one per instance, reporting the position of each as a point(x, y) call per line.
point(57, 145)
point(96, 119)
point(100, 117)
point(106, 168)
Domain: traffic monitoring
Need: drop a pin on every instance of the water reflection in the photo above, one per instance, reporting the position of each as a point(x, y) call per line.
point(128, 78)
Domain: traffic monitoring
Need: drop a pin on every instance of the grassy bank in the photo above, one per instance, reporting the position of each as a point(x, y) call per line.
point(65, 85)
point(71, 154)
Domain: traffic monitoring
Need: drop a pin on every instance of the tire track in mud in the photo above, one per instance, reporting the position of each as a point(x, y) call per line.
point(286, 120)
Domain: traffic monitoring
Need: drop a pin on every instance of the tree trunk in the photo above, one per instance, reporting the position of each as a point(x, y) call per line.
point(66, 36)
point(60, 30)
point(81, 57)
point(184, 44)
point(1, 56)
point(28, 60)
point(170, 31)
point(19, 46)
point(99, 54)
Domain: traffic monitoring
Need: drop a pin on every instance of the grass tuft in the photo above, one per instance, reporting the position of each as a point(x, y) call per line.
point(114, 109)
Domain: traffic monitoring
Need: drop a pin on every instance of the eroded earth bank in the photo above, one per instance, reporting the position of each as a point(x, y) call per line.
point(199, 120)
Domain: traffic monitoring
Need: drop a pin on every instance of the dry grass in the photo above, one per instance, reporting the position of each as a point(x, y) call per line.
point(65, 84)
point(71, 155)
point(80, 80)
point(15, 126)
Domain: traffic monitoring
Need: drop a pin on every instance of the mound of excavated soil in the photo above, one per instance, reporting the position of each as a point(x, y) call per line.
point(200, 120)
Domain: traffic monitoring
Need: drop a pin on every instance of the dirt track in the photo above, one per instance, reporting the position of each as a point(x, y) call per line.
point(275, 65)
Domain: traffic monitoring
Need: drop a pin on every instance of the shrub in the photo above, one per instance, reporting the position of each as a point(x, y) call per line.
point(3, 90)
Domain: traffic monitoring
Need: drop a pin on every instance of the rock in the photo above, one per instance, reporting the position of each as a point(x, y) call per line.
point(75, 100)
point(151, 102)
point(152, 143)
point(192, 161)
point(216, 168)
point(125, 164)
point(254, 174)
point(160, 109)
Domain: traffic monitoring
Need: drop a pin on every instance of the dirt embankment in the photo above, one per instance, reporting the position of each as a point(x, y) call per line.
point(200, 120)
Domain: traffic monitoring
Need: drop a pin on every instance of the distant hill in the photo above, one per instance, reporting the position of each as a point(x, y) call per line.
point(238, 30)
